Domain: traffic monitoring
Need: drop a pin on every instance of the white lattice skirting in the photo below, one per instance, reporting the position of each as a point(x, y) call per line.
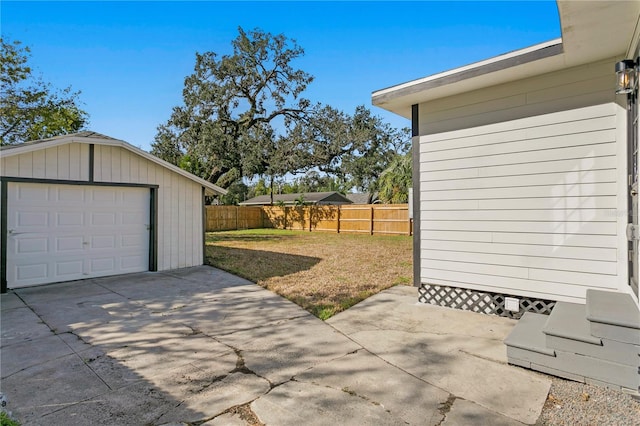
point(479, 301)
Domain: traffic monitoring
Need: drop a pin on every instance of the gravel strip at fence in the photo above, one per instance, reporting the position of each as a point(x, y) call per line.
point(573, 403)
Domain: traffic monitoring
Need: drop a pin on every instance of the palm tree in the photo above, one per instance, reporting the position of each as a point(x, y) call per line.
point(395, 180)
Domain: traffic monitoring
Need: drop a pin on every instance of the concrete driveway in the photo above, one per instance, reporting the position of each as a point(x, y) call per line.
point(200, 346)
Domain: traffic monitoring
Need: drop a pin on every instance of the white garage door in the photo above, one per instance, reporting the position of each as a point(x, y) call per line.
point(68, 232)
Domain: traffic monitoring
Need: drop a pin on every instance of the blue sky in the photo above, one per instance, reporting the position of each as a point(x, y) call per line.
point(129, 59)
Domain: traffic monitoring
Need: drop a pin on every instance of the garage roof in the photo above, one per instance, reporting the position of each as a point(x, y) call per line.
point(89, 137)
point(591, 31)
point(290, 199)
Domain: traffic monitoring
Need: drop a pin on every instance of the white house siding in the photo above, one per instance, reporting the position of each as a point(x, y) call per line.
point(533, 207)
point(589, 84)
point(179, 203)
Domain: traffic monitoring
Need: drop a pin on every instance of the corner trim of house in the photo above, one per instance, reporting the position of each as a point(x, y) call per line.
point(3, 235)
point(415, 164)
point(204, 227)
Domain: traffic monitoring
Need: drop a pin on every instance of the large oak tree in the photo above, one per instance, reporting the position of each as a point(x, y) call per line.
point(243, 115)
point(231, 105)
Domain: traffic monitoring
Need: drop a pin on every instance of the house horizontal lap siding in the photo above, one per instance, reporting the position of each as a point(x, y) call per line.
point(526, 195)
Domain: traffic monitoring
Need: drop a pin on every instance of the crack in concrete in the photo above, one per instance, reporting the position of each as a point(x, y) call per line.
point(243, 411)
point(486, 358)
point(386, 361)
point(445, 407)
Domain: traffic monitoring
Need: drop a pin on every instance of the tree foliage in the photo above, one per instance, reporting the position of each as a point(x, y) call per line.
point(30, 108)
point(231, 104)
point(396, 180)
point(244, 115)
point(354, 148)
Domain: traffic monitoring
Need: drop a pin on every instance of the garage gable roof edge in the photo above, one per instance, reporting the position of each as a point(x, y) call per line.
point(8, 151)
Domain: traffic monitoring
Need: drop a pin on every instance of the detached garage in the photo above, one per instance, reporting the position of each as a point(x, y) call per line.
point(87, 205)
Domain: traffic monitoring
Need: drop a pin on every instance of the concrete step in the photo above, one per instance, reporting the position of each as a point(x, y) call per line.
point(614, 316)
point(568, 330)
point(527, 335)
point(526, 347)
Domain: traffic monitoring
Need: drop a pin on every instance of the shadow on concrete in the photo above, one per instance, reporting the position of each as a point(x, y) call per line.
point(93, 352)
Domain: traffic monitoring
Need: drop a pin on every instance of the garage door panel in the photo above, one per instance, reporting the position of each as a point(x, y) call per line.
point(32, 193)
point(102, 265)
point(70, 195)
point(132, 241)
point(72, 218)
point(132, 263)
point(32, 272)
point(67, 232)
point(104, 195)
point(35, 245)
point(103, 219)
point(69, 243)
point(32, 219)
point(134, 218)
point(69, 270)
point(103, 242)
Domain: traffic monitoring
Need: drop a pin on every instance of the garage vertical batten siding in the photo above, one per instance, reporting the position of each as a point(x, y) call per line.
point(178, 203)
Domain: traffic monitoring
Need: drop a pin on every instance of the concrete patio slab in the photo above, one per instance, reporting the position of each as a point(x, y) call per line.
point(194, 345)
point(279, 352)
point(464, 412)
point(45, 388)
point(10, 301)
point(362, 374)
point(28, 353)
point(20, 325)
point(460, 352)
point(296, 404)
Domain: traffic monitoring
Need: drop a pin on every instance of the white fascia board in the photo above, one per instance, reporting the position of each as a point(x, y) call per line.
point(210, 188)
point(473, 66)
point(541, 58)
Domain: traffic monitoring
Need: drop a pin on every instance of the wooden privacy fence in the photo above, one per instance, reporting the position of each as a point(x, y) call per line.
point(367, 219)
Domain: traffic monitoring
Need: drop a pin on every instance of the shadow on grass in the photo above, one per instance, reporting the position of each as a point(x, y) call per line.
point(257, 265)
point(253, 235)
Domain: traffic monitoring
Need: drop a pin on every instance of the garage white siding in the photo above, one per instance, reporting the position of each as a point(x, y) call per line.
point(179, 203)
point(65, 162)
point(533, 207)
point(179, 199)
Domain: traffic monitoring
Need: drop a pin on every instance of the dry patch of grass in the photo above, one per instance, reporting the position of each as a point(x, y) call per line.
point(322, 272)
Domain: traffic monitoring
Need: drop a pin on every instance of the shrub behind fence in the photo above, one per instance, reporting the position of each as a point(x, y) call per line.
point(367, 218)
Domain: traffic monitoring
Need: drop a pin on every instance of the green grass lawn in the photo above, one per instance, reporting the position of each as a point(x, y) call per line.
point(324, 273)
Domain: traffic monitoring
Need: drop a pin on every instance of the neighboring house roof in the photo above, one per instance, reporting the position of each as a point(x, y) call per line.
point(89, 137)
point(363, 197)
point(581, 43)
point(290, 199)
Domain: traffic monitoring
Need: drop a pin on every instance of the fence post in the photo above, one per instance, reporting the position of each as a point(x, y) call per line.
point(310, 216)
point(371, 222)
point(338, 220)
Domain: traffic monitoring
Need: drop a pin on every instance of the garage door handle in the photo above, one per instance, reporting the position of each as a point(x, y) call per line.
point(13, 232)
